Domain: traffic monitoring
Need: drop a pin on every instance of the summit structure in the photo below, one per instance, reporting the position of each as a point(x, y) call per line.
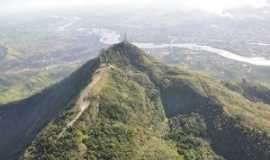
point(125, 40)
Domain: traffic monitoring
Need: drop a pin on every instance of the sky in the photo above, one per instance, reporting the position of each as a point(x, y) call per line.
point(207, 5)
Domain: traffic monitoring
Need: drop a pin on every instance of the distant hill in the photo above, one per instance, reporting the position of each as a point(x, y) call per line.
point(124, 104)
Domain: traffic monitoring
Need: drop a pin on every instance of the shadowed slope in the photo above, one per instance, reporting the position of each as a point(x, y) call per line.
point(21, 121)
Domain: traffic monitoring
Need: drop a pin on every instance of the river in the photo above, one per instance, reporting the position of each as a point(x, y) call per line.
point(110, 37)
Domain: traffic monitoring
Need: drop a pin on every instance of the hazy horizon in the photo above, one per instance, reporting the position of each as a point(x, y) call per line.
point(16, 6)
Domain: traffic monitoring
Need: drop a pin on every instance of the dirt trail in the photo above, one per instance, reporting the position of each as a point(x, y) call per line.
point(83, 104)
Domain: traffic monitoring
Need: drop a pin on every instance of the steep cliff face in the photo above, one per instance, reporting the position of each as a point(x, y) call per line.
point(126, 105)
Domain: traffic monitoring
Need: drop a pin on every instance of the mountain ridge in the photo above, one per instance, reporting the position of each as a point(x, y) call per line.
point(142, 109)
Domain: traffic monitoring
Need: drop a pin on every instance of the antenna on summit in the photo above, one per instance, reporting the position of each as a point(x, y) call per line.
point(125, 38)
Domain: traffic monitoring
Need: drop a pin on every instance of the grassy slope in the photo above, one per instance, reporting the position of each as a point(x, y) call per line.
point(252, 91)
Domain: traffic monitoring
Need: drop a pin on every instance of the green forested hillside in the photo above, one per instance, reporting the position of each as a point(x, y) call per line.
point(127, 105)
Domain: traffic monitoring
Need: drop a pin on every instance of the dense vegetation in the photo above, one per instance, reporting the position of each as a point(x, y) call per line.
point(140, 109)
point(190, 134)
